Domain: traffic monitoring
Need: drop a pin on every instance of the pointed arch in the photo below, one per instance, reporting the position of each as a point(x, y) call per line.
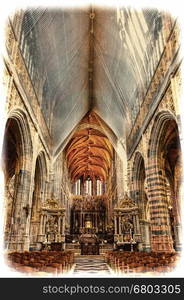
point(164, 155)
point(139, 184)
point(39, 192)
point(17, 163)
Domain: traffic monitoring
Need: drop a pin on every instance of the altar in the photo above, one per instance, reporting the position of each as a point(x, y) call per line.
point(126, 225)
point(88, 213)
point(89, 244)
point(52, 226)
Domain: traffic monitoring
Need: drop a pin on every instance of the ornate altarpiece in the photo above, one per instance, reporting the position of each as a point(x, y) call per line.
point(126, 223)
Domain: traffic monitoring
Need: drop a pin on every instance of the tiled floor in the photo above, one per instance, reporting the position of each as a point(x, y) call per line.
point(91, 265)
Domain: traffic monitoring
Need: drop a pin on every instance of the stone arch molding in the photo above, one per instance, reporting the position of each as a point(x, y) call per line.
point(16, 239)
point(158, 125)
point(38, 195)
point(165, 123)
point(139, 194)
point(139, 180)
point(26, 138)
point(41, 157)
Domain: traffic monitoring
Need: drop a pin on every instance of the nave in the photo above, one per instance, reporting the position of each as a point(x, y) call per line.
point(92, 154)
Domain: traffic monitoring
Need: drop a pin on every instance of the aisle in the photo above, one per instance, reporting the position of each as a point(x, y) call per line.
point(91, 265)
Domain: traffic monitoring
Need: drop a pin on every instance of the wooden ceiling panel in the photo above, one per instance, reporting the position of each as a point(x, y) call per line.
point(89, 152)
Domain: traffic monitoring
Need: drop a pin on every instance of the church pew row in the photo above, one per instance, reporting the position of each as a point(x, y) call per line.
point(139, 262)
point(41, 261)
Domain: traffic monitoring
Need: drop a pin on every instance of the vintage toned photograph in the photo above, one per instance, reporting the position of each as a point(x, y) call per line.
point(92, 144)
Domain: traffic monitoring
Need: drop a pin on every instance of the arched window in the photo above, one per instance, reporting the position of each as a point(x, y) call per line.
point(77, 187)
point(88, 186)
point(98, 187)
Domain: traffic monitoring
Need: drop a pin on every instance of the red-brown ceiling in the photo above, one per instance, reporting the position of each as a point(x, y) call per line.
point(89, 152)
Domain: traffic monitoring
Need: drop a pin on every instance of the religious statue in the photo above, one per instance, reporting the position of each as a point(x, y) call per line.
point(51, 228)
point(127, 229)
point(126, 225)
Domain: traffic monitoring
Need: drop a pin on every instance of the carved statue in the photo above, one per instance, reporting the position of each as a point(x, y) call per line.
point(126, 225)
point(51, 225)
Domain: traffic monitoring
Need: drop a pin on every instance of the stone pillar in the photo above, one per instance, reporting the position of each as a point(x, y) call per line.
point(19, 231)
point(44, 223)
point(41, 225)
point(145, 232)
point(137, 224)
point(59, 229)
point(161, 239)
point(63, 225)
point(177, 236)
point(115, 224)
point(119, 218)
point(59, 224)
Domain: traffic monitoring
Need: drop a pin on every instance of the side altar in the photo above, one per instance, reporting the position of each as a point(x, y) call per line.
point(52, 226)
point(127, 234)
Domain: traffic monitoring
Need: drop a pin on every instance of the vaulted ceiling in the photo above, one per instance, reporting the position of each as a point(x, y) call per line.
point(90, 59)
point(89, 151)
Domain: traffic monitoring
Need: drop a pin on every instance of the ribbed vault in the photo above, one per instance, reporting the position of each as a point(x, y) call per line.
point(89, 152)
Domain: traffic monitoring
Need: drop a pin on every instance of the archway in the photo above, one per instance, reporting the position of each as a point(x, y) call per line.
point(89, 156)
point(17, 148)
point(37, 198)
point(140, 196)
point(164, 183)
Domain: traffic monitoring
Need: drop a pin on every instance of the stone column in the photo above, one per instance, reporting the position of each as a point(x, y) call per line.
point(19, 240)
point(40, 229)
point(44, 223)
point(145, 232)
point(63, 225)
point(147, 237)
point(137, 224)
point(41, 225)
point(177, 236)
point(59, 224)
point(161, 239)
point(59, 228)
point(119, 218)
point(115, 224)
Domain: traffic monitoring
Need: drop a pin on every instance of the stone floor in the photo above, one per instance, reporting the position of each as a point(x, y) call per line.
point(91, 265)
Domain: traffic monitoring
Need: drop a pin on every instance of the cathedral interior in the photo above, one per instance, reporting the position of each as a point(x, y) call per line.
point(92, 144)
